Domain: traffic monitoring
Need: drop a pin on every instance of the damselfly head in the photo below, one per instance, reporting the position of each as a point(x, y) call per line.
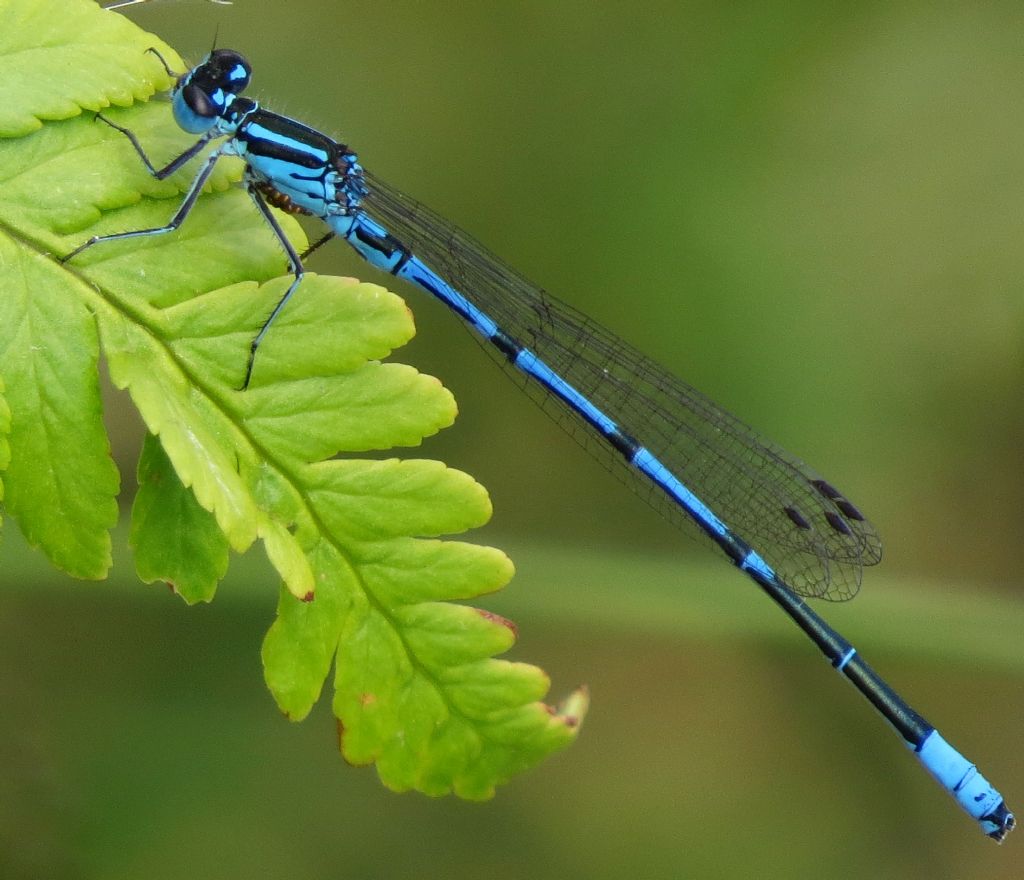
point(223, 69)
point(202, 95)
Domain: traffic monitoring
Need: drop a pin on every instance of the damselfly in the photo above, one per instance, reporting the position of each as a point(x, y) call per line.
point(793, 533)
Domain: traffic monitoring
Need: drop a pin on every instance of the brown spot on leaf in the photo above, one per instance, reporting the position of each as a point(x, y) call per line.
point(500, 621)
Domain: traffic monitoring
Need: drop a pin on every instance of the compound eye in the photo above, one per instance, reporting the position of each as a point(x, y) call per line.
point(199, 102)
point(232, 70)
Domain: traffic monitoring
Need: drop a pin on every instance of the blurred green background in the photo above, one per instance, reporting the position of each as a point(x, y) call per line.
point(811, 211)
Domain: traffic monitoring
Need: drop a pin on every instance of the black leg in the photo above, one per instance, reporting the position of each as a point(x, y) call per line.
point(294, 264)
point(154, 51)
point(170, 167)
point(319, 243)
point(187, 205)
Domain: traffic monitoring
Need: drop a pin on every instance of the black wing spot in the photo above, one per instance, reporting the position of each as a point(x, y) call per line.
point(849, 511)
point(798, 518)
point(837, 523)
point(827, 489)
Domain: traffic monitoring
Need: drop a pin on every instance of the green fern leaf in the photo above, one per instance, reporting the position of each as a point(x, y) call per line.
point(366, 579)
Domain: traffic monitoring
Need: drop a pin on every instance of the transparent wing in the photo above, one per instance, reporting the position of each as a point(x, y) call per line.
point(813, 537)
